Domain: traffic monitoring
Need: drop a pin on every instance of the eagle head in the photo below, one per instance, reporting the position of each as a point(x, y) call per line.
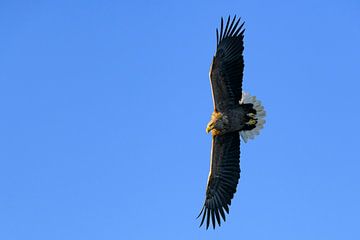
point(217, 123)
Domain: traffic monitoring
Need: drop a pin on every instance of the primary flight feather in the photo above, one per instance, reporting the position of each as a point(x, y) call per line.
point(235, 114)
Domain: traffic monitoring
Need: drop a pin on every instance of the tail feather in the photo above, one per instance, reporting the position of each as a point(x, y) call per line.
point(260, 116)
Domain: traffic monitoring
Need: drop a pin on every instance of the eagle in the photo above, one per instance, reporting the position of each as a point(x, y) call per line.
point(236, 115)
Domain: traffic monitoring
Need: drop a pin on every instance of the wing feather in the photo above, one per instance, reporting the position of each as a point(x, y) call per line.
point(226, 71)
point(223, 177)
point(227, 25)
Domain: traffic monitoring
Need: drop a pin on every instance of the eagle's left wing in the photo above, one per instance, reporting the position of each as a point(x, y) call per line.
point(226, 71)
point(223, 177)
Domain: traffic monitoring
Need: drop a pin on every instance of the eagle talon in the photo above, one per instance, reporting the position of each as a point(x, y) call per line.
point(252, 122)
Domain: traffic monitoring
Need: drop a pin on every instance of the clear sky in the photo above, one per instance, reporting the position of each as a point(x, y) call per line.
point(104, 106)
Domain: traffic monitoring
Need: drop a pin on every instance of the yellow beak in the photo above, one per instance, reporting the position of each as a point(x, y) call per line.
point(209, 127)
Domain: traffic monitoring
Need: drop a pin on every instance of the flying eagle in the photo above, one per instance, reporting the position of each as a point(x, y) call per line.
point(235, 114)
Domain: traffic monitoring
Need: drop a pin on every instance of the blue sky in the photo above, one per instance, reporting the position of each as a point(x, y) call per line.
point(104, 106)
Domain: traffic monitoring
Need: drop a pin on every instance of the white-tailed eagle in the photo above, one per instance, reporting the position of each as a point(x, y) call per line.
point(235, 114)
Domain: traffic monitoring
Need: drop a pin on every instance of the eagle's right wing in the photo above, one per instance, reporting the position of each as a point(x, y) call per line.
point(223, 177)
point(226, 71)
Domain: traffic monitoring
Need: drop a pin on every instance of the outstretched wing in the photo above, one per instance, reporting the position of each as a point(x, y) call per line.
point(223, 177)
point(226, 71)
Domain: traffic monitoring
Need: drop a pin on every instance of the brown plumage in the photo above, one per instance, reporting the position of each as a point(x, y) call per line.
point(229, 118)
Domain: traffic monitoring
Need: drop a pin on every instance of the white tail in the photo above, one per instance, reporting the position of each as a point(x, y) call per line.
point(260, 116)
